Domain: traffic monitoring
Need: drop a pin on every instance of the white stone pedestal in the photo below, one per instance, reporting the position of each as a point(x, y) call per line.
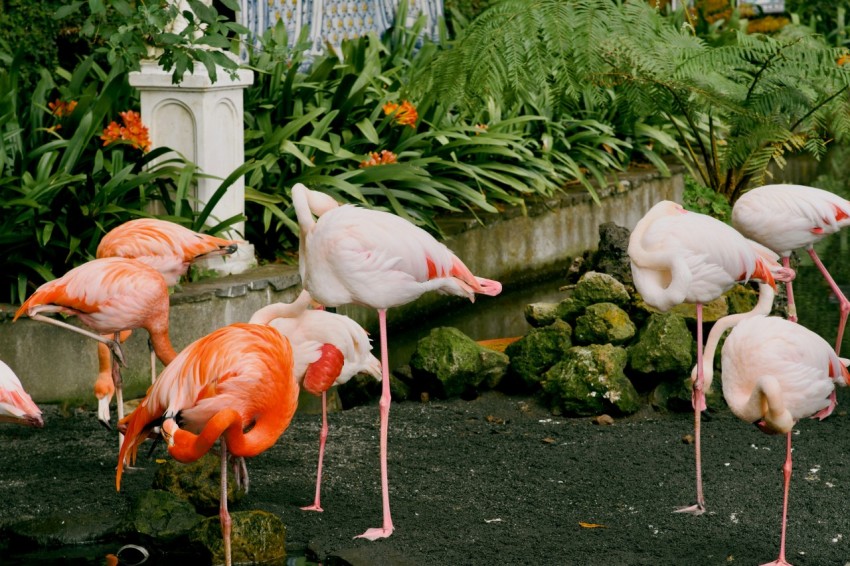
point(203, 121)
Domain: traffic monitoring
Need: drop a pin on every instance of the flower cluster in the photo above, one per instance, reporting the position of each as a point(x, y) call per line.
point(133, 131)
point(405, 113)
point(60, 108)
point(382, 158)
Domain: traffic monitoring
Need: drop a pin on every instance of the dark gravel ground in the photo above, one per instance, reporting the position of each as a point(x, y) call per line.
point(497, 480)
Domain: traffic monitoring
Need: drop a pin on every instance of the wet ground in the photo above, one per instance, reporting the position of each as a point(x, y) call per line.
point(493, 481)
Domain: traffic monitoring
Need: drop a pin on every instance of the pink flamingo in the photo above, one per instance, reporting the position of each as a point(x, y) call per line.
point(109, 295)
point(16, 406)
point(776, 372)
point(678, 257)
point(378, 260)
point(329, 349)
point(788, 217)
point(236, 385)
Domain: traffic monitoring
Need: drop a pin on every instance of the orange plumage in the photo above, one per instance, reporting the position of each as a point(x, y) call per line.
point(167, 247)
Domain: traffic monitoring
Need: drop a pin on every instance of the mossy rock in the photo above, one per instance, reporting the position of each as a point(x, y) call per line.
point(595, 287)
point(590, 381)
point(533, 354)
point(741, 298)
point(199, 482)
point(162, 515)
point(604, 323)
point(664, 346)
point(256, 537)
point(452, 364)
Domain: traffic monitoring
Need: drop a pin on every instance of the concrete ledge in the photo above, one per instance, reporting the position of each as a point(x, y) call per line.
point(514, 248)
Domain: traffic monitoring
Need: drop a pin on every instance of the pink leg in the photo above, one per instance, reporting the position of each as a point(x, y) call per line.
point(698, 401)
point(323, 436)
point(387, 528)
point(844, 304)
point(789, 291)
point(786, 471)
point(223, 515)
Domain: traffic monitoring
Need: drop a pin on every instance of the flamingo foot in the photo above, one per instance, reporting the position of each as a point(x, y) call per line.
point(779, 562)
point(314, 507)
point(696, 509)
point(376, 533)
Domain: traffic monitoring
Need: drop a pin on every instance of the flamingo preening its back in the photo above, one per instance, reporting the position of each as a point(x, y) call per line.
point(789, 217)
point(329, 349)
point(378, 260)
point(235, 385)
point(678, 257)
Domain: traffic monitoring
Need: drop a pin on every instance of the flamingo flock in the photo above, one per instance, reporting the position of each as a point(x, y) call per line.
point(239, 385)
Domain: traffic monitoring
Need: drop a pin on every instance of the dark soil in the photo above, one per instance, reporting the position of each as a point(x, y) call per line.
point(497, 480)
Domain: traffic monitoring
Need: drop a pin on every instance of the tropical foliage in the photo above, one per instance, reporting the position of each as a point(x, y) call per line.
point(736, 107)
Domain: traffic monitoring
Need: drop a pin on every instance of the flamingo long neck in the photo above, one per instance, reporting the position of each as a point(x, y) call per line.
point(763, 307)
point(766, 402)
point(162, 347)
point(188, 447)
point(282, 310)
point(659, 260)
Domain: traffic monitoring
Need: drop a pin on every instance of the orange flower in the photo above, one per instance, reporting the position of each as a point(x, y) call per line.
point(405, 114)
point(382, 158)
point(843, 60)
point(60, 108)
point(133, 131)
point(480, 128)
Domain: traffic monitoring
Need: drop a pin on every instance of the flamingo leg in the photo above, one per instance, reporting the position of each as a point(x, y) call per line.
point(323, 436)
point(786, 472)
point(113, 344)
point(789, 292)
point(698, 401)
point(153, 360)
point(387, 528)
point(240, 472)
point(844, 304)
point(223, 515)
point(118, 381)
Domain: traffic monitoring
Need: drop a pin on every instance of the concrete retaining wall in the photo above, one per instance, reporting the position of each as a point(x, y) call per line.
point(58, 366)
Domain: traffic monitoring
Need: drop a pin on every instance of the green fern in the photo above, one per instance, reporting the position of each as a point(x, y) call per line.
point(736, 108)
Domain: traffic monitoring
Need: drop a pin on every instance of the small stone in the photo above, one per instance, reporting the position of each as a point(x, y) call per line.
point(549, 440)
point(688, 439)
point(603, 420)
point(424, 397)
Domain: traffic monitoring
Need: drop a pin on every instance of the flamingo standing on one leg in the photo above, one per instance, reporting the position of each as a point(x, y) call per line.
point(16, 406)
point(329, 349)
point(235, 384)
point(167, 247)
point(109, 295)
point(378, 260)
point(776, 372)
point(678, 257)
point(788, 217)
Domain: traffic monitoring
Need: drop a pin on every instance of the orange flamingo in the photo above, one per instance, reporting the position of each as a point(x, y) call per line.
point(329, 349)
point(378, 260)
point(109, 295)
point(235, 384)
point(167, 247)
point(16, 406)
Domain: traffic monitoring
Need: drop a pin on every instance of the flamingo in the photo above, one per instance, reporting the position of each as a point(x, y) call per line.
point(109, 295)
point(678, 257)
point(776, 372)
point(235, 384)
point(329, 349)
point(378, 260)
point(167, 247)
point(16, 406)
point(788, 217)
